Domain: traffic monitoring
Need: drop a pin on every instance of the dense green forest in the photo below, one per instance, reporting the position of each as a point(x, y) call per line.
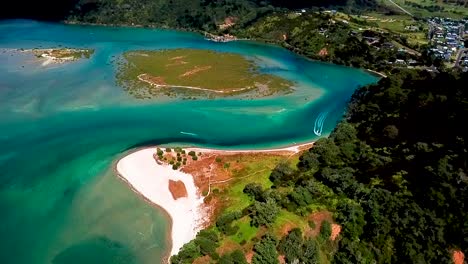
point(393, 174)
point(190, 14)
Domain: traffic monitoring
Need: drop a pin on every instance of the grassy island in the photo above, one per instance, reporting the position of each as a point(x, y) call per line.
point(195, 72)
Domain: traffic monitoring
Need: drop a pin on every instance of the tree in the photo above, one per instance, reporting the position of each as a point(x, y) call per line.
point(264, 213)
point(265, 251)
point(291, 246)
point(254, 190)
point(310, 253)
point(224, 222)
point(325, 231)
point(282, 174)
point(235, 257)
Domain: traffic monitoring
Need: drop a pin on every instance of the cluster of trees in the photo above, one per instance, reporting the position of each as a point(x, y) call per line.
point(400, 161)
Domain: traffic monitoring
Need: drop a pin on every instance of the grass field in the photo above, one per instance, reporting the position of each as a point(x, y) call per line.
point(430, 8)
point(195, 71)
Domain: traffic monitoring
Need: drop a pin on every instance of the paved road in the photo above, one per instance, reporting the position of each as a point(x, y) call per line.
point(401, 8)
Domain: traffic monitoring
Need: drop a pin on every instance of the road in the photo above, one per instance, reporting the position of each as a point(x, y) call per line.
point(401, 8)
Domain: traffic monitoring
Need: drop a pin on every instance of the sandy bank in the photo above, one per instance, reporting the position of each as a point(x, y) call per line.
point(151, 180)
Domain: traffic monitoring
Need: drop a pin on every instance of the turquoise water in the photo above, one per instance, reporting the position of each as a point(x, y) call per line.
point(61, 127)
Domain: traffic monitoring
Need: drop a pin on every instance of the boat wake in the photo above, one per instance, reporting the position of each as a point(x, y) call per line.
point(188, 133)
point(318, 126)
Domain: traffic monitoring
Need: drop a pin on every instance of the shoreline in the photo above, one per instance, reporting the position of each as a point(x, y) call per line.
point(139, 170)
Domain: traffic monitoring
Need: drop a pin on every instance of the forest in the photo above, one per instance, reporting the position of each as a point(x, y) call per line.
point(392, 173)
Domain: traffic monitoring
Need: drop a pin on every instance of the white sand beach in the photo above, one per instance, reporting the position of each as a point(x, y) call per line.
point(152, 181)
point(292, 149)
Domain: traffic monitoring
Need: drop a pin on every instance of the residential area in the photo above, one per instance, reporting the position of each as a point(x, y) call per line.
point(447, 40)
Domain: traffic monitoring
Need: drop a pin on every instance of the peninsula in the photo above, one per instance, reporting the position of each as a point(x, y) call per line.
point(187, 183)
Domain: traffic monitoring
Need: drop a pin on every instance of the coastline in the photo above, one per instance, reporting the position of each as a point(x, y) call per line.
point(139, 170)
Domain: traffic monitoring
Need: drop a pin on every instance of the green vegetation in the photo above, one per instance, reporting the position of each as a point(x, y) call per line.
point(431, 8)
point(185, 71)
point(392, 175)
point(336, 38)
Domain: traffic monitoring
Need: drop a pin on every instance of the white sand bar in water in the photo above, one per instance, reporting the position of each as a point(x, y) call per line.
point(151, 180)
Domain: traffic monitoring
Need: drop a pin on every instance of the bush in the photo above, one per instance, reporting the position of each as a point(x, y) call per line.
point(168, 150)
point(178, 150)
point(218, 159)
point(175, 167)
point(224, 222)
point(179, 158)
point(171, 162)
point(192, 153)
point(194, 158)
point(227, 165)
point(159, 152)
point(325, 231)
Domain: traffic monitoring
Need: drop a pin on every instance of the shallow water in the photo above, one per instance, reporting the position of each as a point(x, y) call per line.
point(62, 126)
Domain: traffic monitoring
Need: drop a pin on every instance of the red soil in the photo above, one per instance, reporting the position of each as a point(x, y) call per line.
point(336, 229)
point(458, 257)
point(177, 189)
point(323, 52)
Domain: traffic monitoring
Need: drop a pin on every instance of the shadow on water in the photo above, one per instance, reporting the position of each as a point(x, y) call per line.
point(97, 250)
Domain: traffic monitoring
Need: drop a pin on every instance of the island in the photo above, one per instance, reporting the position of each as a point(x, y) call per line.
point(60, 55)
point(192, 72)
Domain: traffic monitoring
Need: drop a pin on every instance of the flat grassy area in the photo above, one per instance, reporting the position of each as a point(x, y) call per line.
point(195, 72)
point(430, 8)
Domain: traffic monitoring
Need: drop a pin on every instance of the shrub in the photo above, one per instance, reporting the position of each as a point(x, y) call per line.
point(159, 152)
point(192, 153)
point(194, 158)
point(168, 150)
point(179, 159)
point(171, 162)
point(218, 159)
point(178, 150)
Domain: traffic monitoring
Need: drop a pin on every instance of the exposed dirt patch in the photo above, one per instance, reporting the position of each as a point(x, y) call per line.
point(323, 52)
point(285, 229)
point(249, 256)
point(336, 229)
point(177, 58)
point(318, 218)
point(227, 247)
point(177, 189)
point(202, 260)
point(458, 257)
point(282, 259)
point(195, 70)
point(228, 22)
